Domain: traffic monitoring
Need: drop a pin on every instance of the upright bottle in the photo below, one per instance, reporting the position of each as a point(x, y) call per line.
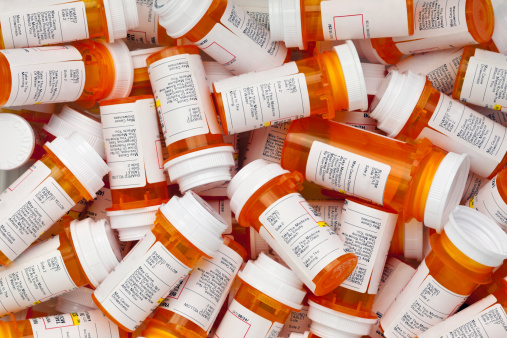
point(419, 180)
point(70, 171)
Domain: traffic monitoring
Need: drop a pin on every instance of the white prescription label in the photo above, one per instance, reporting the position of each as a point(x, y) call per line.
point(346, 172)
point(87, 324)
point(35, 280)
point(45, 75)
point(366, 19)
point(182, 98)
point(44, 25)
point(330, 211)
point(301, 237)
point(241, 44)
point(140, 282)
point(202, 294)
point(133, 144)
point(298, 322)
point(489, 202)
point(263, 99)
point(147, 31)
point(266, 144)
point(242, 322)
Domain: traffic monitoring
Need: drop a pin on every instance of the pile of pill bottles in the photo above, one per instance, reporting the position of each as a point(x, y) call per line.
point(253, 168)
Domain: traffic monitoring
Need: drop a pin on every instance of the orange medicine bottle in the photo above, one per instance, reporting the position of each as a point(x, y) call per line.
point(320, 85)
point(267, 294)
point(198, 156)
point(265, 196)
point(420, 180)
point(463, 256)
point(407, 107)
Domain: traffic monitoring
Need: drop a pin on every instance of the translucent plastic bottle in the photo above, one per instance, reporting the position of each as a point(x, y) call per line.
point(463, 256)
point(198, 156)
point(487, 289)
point(321, 85)
point(134, 155)
point(83, 254)
point(407, 107)
point(70, 171)
point(268, 293)
point(39, 23)
point(265, 196)
point(142, 84)
point(149, 31)
point(186, 229)
point(223, 31)
point(420, 180)
point(206, 289)
point(297, 22)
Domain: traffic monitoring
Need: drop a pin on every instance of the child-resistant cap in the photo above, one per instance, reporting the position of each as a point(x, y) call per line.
point(139, 56)
point(97, 248)
point(274, 280)
point(18, 140)
point(285, 22)
point(414, 240)
point(500, 32)
point(133, 224)
point(366, 51)
point(124, 69)
point(248, 180)
point(196, 220)
point(121, 16)
point(396, 99)
point(446, 189)
point(477, 236)
point(76, 301)
point(178, 17)
point(82, 160)
point(374, 74)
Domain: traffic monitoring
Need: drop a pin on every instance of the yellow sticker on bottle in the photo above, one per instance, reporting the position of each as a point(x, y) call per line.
point(322, 224)
point(497, 107)
point(75, 319)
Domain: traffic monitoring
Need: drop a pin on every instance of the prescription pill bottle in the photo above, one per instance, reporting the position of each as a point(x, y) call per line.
point(78, 300)
point(186, 229)
point(198, 157)
point(487, 289)
point(407, 108)
point(149, 31)
point(70, 171)
point(193, 305)
point(83, 254)
point(40, 113)
point(408, 240)
point(41, 23)
point(420, 180)
point(134, 155)
point(224, 31)
point(321, 85)
point(142, 85)
point(268, 293)
point(296, 22)
point(265, 196)
point(463, 257)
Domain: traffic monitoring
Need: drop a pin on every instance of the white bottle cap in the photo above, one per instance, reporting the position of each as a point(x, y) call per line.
point(70, 121)
point(97, 248)
point(366, 51)
point(257, 244)
point(121, 16)
point(446, 189)
point(396, 99)
point(330, 323)
point(133, 224)
point(374, 74)
point(248, 180)
point(131, 14)
point(196, 220)
point(139, 56)
point(202, 169)
point(353, 74)
point(123, 69)
point(285, 22)
point(17, 141)
point(80, 158)
point(274, 280)
point(413, 248)
point(178, 17)
point(76, 301)
point(477, 236)
point(500, 32)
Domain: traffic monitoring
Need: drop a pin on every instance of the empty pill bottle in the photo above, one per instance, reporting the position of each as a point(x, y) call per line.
point(41, 23)
point(142, 85)
point(206, 289)
point(477, 63)
point(463, 257)
point(70, 171)
point(40, 113)
point(321, 85)
point(78, 300)
point(419, 180)
point(186, 229)
point(77, 324)
point(296, 22)
point(408, 108)
point(198, 158)
point(83, 254)
point(265, 196)
point(222, 29)
point(267, 294)
point(149, 31)
point(134, 156)
point(408, 240)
